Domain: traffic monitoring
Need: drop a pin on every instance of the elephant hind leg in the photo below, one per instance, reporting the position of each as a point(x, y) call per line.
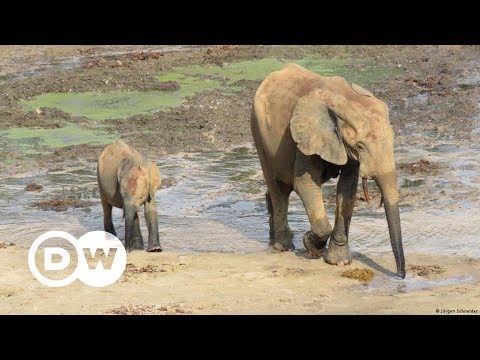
point(277, 203)
point(107, 217)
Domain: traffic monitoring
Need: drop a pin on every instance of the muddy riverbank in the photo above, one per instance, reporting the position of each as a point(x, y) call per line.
point(219, 283)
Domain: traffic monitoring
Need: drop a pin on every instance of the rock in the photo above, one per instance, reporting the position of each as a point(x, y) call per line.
point(34, 187)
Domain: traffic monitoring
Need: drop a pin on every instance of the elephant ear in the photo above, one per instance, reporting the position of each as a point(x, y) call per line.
point(314, 128)
point(154, 179)
point(360, 90)
point(125, 165)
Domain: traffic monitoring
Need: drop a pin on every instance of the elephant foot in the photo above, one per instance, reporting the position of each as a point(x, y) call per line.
point(338, 254)
point(283, 242)
point(111, 231)
point(138, 246)
point(154, 248)
point(314, 244)
point(283, 247)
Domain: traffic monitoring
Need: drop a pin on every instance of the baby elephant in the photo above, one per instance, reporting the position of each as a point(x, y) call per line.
point(126, 180)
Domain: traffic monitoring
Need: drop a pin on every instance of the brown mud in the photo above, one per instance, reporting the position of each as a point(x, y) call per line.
point(61, 203)
point(364, 275)
point(212, 120)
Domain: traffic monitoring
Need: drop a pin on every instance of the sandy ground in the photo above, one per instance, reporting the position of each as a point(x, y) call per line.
point(268, 283)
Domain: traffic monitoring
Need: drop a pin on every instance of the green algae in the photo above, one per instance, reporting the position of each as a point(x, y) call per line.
point(109, 105)
point(195, 79)
point(27, 140)
point(358, 71)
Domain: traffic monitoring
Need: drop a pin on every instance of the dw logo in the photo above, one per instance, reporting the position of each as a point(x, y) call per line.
point(95, 266)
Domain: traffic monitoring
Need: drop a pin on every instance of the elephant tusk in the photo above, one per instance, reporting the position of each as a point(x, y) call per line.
point(365, 190)
point(381, 202)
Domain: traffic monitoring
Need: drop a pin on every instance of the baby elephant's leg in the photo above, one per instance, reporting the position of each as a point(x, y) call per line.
point(151, 218)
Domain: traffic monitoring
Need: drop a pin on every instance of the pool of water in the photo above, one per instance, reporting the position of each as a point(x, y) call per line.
point(218, 204)
point(388, 284)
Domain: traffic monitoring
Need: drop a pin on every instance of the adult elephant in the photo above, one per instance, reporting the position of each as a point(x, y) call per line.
point(309, 128)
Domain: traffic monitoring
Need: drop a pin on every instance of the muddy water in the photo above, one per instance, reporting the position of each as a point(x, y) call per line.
point(218, 205)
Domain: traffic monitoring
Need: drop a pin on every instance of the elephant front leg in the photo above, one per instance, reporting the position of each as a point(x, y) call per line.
point(151, 217)
point(338, 252)
point(308, 179)
point(137, 234)
point(130, 214)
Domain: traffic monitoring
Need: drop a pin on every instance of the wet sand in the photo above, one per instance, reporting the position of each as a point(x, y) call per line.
point(267, 283)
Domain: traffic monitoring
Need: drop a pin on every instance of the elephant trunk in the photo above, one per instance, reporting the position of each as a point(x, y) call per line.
point(389, 187)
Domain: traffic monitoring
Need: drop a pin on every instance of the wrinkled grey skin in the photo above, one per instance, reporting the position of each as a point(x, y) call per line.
point(126, 180)
point(308, 129)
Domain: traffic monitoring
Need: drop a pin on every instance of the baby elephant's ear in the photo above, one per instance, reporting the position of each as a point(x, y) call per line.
point(314, 129)
point(154, 179)
point(125, 165)
point(360, 90)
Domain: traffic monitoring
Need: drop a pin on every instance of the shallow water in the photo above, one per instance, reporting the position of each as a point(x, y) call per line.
point(412, 283)
point(218, 204)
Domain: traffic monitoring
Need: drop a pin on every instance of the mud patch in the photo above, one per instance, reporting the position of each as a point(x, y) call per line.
point(171, 309)
point(61, 204)
point(206, 122)
point(407, 183)
point(426, 270)
point(8, 291)
point(33, 187)
point(81, 154)
point(4, 245)
point(421, 166)
point(36, 118)
point(146, 55)
point(295, 272)
point(168, 182)
point(133, 269)
point(364, 275)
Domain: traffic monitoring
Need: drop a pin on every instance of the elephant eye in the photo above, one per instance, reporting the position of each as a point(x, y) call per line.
point(360, 147)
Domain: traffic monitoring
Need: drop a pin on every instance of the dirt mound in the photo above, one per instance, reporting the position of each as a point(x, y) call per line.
point(426, 270)
point(295, 272)
point(206, 122)
point(364, 275)
point(172, 309)
point(34, 187)
point(422, 166)
point(145, 55)
point(88, 153)
point(61, 203)
point(132, 269)
point(4, 245)
point(39, 118)
point(168, 182)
